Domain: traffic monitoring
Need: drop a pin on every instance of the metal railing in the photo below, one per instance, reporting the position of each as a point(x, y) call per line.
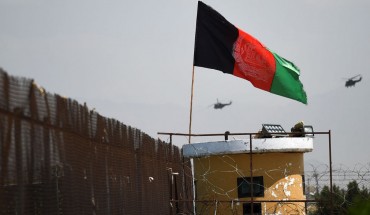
point(226, 136)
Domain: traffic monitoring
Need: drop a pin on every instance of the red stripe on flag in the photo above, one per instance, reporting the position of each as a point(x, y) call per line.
point(253, 61)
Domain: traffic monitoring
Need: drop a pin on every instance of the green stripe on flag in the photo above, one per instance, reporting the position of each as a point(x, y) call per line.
point(286, 80)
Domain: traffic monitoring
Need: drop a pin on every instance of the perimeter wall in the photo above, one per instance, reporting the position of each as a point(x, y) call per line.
point(59, 157)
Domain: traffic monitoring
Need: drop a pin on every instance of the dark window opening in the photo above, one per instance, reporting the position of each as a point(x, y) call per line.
point(303, 185)
point(247, 209)
point(245, 187)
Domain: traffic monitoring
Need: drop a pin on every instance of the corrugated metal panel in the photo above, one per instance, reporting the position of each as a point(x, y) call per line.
point(59, 157)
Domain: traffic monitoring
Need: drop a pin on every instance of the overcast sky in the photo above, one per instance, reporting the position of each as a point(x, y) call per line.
point(132, 61)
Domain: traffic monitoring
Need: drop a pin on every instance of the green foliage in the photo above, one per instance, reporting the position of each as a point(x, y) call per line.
point(360, 208)
point(352, 200)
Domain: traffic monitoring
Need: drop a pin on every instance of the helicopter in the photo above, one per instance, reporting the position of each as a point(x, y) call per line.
point(220, 105)
point(351, 82)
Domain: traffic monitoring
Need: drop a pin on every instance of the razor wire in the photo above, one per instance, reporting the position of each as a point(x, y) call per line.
point(316, 176)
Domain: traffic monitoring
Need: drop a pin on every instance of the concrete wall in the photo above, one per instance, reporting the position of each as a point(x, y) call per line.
point(216, 179)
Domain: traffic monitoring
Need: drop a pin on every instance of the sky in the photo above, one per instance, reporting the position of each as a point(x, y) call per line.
point(133, 60)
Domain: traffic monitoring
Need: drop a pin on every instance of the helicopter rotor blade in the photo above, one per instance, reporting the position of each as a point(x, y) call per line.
point(355, 76)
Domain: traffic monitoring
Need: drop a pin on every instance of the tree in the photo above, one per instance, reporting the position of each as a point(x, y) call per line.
point(353, 194)
point(360, 208)
point(324, 205)
point(345, 201)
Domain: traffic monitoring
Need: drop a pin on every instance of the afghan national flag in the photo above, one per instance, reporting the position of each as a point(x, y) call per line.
point(222, 46)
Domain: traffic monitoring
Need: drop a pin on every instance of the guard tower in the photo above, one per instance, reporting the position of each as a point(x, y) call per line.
point(263, 174)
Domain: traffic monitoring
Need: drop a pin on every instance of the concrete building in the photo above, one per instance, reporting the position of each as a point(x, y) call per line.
point(223, 176)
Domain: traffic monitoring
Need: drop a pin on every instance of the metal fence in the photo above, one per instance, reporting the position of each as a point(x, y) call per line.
point(59, 157)
point(223, 199)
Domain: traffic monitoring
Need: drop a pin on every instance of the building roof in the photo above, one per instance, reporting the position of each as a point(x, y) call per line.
point(260, 145)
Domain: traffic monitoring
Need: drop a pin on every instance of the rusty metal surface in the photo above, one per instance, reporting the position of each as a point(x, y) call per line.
point(59, 157)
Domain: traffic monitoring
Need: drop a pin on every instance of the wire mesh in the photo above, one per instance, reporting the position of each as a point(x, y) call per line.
point(59, 157)
point(223, 181)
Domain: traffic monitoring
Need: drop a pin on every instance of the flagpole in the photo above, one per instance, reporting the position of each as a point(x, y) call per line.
point(191, 103)
point(192, 77)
